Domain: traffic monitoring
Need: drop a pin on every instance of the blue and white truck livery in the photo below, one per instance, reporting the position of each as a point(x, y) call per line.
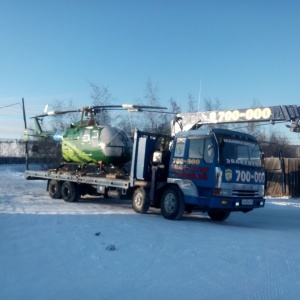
point(216, 171)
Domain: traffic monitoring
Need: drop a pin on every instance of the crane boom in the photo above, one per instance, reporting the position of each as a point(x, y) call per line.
point(190, 121)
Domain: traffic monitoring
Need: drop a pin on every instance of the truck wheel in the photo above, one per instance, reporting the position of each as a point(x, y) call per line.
point(54, 189)
point(172, 204)
point(141, 200)
point(69, 192)
point(218, 214)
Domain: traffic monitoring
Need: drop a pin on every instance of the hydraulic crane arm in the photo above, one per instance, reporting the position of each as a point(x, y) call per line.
point(288, 113)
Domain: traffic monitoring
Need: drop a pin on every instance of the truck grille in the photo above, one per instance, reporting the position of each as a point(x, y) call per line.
point(244, 193)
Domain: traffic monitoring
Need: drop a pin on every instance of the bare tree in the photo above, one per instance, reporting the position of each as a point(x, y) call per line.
point(151, 98)
point(191, 103)
point(211, 105)
point(165, 118)
point(175, 108)
point(252, 127)
point(127, 121)
point(282, 142)
point(101, 97)
point(61, 122)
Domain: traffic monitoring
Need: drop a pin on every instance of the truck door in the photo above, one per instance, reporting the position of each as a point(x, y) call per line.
point(193, 158)
point(202, 150)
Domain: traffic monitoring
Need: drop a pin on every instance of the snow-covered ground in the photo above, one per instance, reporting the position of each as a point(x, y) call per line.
point(97, 249)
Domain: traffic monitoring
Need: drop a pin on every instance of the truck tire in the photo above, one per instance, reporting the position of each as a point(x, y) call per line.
point(172, 203)
point(218, 214)
point(141, 200)
point(54, 189)
point(69, 192)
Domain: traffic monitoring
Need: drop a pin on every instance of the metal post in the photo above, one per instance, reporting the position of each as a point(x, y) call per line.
point(26, 142)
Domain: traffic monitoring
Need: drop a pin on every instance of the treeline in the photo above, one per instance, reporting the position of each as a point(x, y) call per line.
point(160, 122)
point(271, 141)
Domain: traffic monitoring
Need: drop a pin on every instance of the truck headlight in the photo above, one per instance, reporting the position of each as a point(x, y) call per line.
point(225, 192)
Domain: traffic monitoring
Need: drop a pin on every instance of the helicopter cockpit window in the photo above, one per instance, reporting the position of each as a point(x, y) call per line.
point(86, 136)
point(94, 134)
point(95, 138)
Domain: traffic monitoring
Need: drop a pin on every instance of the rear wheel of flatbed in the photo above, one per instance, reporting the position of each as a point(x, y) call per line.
point(141, 200)
point(218, 214)
point(172, 203)
point(70, 192)
point(54, 189)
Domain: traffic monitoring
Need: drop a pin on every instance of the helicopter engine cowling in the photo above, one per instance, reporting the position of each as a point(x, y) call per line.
point(115, 144)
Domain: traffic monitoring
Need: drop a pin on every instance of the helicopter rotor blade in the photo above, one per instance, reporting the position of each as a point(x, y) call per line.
point(55, 112)
point(100, 108)
point(129, 107)
point(132, 107)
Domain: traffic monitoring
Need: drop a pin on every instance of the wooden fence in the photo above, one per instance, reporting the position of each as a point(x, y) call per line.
point(285, 183)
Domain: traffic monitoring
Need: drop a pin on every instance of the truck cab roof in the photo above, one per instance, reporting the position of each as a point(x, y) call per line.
point(204, 132)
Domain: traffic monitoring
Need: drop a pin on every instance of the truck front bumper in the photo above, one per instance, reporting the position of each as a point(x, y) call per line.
point(225, 203)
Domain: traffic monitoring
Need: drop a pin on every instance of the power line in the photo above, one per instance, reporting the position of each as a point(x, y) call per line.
point(11, 105)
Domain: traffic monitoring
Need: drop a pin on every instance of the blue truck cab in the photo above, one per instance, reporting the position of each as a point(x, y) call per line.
point(217, 171)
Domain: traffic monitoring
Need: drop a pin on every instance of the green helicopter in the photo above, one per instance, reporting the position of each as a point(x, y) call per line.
point(87, 142)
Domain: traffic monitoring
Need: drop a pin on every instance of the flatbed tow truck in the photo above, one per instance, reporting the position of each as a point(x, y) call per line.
point(217, 171)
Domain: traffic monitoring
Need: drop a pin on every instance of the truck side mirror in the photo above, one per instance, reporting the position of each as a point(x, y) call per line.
point(157, 158)
point(262, 158)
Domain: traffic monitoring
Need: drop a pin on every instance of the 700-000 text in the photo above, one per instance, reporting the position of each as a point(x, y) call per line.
point(246, 176)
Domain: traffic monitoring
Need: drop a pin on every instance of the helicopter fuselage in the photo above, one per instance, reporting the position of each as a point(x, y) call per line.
point(96, 144)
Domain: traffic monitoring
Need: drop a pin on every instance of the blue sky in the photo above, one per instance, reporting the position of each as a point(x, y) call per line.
point(239, 50)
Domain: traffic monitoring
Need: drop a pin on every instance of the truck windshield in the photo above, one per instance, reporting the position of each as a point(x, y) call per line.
point(239, 151)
